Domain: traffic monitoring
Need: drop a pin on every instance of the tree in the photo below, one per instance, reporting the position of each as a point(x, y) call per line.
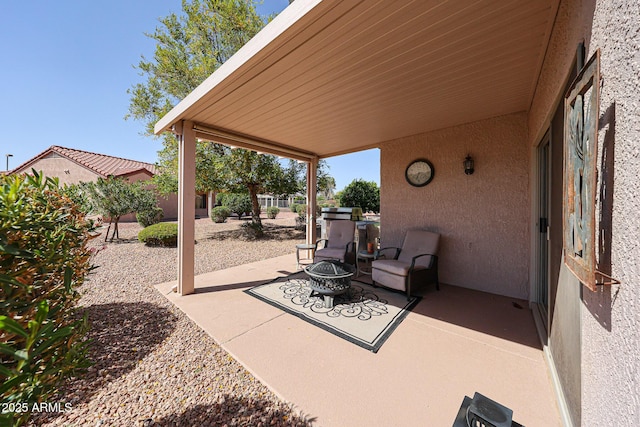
point(362, 194)
point(189, 48)
point(115, 197)
point(210, 165)
point(327, 186)
point(256, 173)
point(325, 182)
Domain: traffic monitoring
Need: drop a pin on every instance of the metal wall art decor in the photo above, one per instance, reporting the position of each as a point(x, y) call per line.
point(581, 109)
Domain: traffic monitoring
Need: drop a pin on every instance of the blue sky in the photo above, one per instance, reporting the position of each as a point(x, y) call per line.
point(65, 72)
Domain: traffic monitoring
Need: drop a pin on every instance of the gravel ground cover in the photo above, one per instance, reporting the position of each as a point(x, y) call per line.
point(152, 365)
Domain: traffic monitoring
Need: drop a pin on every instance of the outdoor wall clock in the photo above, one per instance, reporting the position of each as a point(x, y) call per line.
point(419, 173)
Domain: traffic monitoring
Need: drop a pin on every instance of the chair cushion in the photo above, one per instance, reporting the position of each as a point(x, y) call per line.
point(418, 242)
point(388, 280)
point(341, 233)
point(329, 253)
point(399, 268)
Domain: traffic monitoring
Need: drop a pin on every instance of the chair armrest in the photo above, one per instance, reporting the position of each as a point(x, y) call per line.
point(395, 256)
point(434, 259)
point(321, 240)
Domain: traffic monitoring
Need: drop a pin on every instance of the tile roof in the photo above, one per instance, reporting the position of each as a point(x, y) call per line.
point(101, 164)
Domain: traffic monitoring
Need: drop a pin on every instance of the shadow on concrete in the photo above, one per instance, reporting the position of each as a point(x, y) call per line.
point(496, 315)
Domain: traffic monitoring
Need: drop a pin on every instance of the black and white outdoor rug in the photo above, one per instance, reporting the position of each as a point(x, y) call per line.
point(366, 316)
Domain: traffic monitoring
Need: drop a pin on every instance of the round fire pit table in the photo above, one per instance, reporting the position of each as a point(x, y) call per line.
point(329, 278)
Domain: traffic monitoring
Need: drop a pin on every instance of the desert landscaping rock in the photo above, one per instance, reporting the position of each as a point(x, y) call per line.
point(152, 365)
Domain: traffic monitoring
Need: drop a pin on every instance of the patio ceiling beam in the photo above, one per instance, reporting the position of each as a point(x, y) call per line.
point(251, 143)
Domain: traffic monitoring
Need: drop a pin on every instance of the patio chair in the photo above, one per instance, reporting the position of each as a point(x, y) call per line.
point(416, 262)
point(339, 244)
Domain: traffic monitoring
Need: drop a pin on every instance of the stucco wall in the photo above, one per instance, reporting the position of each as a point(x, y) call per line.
point(482, 217)
point(69, 172)
point(58, 167)
point(610, 318)
point(169, 205)
point(611, 350)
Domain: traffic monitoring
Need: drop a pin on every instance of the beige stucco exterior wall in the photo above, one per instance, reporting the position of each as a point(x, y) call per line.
point(611, 350)
point(610, 318)
point(69, 172)
point(169, 205)
point(482, 217)
point(58, 166)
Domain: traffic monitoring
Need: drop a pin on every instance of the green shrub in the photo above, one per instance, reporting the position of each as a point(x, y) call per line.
point(220, 214)
point(44, 258)
point(302, 211)
point(221, 199)
point(301, 219)
point(161, 234)
point(253, 230)
point(272, 212)
point(238, 203)
point(293, 207)
point(150, 217)
point(361, 194)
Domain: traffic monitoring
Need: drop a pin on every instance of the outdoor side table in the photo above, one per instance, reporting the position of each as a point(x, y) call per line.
point(304, 247)
point(367, 258)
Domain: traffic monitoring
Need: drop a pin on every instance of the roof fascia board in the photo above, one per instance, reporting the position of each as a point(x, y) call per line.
point(285, 20)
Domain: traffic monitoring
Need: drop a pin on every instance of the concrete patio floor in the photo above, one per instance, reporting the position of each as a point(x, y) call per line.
point(454, 342)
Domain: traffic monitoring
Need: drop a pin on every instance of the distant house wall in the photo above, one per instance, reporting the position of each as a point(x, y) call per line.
point(137, 176)
point(483, 218)
point(67, 171)
point(169, 205)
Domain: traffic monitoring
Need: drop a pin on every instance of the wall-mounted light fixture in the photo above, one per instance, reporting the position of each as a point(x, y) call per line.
point(468, 165)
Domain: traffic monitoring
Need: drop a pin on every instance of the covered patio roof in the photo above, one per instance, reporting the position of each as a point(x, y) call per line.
point(326, 78)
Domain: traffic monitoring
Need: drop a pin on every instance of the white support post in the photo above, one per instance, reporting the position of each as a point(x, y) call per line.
point(312, 190)
point(186, 208)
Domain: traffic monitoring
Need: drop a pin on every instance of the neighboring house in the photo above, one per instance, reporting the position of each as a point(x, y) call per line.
point(440, 81)
point(72, 166)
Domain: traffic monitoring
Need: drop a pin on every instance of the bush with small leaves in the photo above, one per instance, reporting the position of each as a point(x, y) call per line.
point(293, 207)
point(272, 212)
point(220, 214)
point(161, 234)
point(238, 203)
point(44, 258)
point(150, 217)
